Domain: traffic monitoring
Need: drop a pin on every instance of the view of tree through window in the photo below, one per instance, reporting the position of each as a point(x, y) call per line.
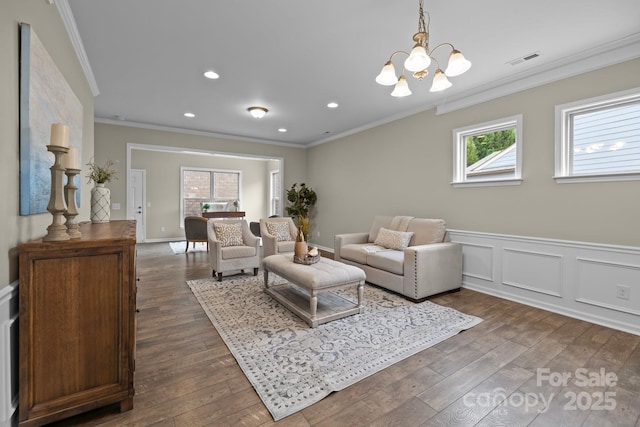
point(489, 153)
point(481, 146)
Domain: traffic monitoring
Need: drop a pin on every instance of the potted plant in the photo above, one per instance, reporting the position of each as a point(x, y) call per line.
point(102, 174)
point(100, 195)
point(302, 199)
point(206, 207)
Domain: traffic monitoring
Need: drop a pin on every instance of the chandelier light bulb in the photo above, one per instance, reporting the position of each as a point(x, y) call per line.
point(418, 59)
point(257, 112)
point(440, 82)
point(457, 65)
point(387, 76)
point(402, 88)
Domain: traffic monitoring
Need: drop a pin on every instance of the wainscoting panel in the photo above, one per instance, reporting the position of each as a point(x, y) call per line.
point(594, 282)
point(599, 278)
point(535, 271)
point(8, 354)
point(478, 261)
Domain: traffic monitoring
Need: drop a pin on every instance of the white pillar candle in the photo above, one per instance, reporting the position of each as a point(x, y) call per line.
point(71, 159)
point(60, 134)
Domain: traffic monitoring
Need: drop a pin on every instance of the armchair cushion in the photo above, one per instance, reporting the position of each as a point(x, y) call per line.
point(393, 239)
point(229, 234)
point(280, 230)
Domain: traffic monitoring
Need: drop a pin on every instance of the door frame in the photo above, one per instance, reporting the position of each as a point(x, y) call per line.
point(142, 227)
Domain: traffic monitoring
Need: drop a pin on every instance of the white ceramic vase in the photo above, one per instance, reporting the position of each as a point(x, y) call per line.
point(100, 202)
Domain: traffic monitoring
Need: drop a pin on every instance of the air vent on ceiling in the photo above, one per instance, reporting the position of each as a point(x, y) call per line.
point(522, 59)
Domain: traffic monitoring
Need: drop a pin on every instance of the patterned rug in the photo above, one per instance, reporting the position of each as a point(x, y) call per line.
point(292, 366)
point(178, 247)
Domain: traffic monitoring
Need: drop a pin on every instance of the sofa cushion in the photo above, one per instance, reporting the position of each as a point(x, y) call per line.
point(228, 234)
point(391, 261)
point(427, 231)
point(378, 221)
point(393, 239)
point(279, 229)
point(357, 252)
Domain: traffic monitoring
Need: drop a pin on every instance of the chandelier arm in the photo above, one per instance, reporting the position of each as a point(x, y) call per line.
point(396, 52)
point(440, 45)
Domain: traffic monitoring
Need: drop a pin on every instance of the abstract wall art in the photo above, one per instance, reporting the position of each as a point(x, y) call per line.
point(45, 98)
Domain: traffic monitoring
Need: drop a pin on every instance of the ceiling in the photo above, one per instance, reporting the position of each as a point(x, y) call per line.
point(295, 56)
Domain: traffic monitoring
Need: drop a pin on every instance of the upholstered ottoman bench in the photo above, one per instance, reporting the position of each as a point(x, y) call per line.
point(307, 282)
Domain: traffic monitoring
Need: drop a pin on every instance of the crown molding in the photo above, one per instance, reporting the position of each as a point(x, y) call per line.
point(139, 125)
point(72, 30)
point(605, 55)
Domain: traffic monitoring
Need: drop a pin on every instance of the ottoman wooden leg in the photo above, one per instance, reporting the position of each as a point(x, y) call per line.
point(313, 308)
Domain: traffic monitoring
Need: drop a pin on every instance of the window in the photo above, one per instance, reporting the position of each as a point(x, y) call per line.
point(488, 153)
point(274, 206)
point(200, 187)
point(598, 139)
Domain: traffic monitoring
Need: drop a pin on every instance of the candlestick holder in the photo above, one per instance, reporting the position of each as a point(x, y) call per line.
point(72, 207)
point(57, 231)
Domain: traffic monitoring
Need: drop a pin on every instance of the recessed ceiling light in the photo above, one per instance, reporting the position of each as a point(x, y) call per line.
point(332, 105)
point(189, 115)
point(211, 75)
point(282, 130)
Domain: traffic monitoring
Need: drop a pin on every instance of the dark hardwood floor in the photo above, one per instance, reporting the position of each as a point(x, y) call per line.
point(507, 371)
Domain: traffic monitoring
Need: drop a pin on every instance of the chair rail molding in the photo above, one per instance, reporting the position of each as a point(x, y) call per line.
point(8, 354)
point(598, 283)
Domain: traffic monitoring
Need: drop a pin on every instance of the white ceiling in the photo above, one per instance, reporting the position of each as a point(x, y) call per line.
point(294, 56)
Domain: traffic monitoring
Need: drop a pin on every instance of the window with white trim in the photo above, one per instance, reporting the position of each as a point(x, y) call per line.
point(598, 139)
point(208, 189)
point(274, 196)
point(488, 153)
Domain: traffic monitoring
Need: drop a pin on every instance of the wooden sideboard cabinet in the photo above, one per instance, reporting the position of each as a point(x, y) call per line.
point(77, 323)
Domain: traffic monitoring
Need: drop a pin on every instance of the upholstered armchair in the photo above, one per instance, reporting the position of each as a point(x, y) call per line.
point(232, 247)
point(195, 230)
point(278, 235)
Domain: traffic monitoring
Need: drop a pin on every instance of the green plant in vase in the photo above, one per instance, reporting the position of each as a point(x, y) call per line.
point(302, 199)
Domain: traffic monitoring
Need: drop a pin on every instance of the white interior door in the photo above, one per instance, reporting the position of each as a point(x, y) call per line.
point(137, 202)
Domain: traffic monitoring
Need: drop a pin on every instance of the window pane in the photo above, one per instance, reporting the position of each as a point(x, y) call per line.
point(197, 190)
point(607, 140)
point(491, 155)
point(226, 186)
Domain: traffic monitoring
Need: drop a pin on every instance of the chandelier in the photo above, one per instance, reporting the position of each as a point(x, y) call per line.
point(419, 60)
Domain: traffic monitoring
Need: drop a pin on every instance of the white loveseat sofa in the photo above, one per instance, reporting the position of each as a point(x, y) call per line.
point(406, 255)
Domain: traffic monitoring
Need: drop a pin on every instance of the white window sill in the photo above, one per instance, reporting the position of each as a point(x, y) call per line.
point(487, 183)
point(597, 178)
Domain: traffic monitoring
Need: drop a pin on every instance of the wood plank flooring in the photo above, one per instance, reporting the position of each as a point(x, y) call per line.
point(486, 376)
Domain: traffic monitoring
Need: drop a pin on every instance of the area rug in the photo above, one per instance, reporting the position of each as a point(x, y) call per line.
point(178, 247)
point(291, 365)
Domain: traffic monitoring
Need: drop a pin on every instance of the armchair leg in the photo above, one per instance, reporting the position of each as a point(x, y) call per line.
point(219, 277)
point(255, 271)
point(186, 248)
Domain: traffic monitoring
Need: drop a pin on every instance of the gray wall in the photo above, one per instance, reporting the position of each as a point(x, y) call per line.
point(163, 187)
point(45, 21)
point(405, 167)
point(111, 143)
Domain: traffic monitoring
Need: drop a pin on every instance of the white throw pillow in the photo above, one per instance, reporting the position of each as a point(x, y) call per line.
point(280, 230)
point(393, 239)
point(229, 234)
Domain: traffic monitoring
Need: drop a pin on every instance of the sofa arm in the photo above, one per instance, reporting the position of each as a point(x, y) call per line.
point(432, 269)
point(347, 239)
